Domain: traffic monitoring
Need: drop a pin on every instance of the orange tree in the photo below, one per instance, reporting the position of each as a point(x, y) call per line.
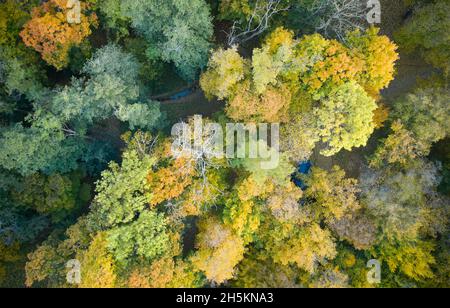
point(51, 34)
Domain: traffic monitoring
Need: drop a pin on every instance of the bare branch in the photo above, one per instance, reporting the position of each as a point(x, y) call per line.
point(258, 22)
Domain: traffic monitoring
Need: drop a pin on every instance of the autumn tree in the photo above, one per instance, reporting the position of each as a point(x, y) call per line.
point(404, 202)
point(379, 54)
point(345, 118)
point(306, 247)
point(330, 194)
point(219, 250)
point(98, 268)
point(226, 68)
point(51, 34)
point(400, 147)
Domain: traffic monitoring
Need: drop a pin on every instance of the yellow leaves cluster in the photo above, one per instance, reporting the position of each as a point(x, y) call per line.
point(310, 245)
point(219, 250)
point(98, 269)
point(225, 69)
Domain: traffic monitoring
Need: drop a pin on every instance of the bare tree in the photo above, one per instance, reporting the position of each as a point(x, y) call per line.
point(258, 22)
point(335, 18)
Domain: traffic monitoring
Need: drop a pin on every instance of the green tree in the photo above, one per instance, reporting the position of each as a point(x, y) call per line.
point(426, 33)
point(146, 237)
point(426, 114)
point(179, 31)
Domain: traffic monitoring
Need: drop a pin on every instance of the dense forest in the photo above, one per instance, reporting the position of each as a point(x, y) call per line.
point(93, 196)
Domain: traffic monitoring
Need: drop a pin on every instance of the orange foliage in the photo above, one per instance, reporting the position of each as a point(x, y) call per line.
point(271, 106)
point(380, 115)
point(50, 34)
point(337, 66)
point(170, 182)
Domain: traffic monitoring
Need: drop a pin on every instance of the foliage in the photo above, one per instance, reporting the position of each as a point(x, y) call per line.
point(426, 114)
point(146, 237)
point(121, 192)
point(219, 250)
point(305, 247)
point(178, 30)
point(50, 33)
point(331, 195)
point(345, 118)
point(98, 268)
point(426, 33)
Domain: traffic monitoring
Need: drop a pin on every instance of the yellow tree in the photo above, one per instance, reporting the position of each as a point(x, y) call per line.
point(219, 250)
point(379, 54)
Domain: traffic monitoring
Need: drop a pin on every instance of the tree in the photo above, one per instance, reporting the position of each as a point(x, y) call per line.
point(284, 203)
point(379, 54)
point(345, 118)
point(170, 182)
point(226, 68)
point(165, 273)
point(179, 31)
point(335, 18)
point(98, 268)
point(400, 147)
point(330, 194)
point(112, 89)
point(219, 250)
point(234, 9)
point(51, 34)
point(414, 259)
point(298, 139)
point(269, 107)
point(416, 34)
point(146, 237)
point(54, 195)
point(357, 228)
point(257, 22)
point(327, 64)
point(20, 71)
point(306, 246)
point(426, 114)
point(404, 202)
point(42, 147)
point(121, 192)
point(257, 270)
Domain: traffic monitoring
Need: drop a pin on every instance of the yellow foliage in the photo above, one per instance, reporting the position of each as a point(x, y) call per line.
point(219, 250)
point(97, 265)
point(306, 248)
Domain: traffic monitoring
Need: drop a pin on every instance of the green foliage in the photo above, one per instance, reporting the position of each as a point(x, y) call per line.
point(42, 147)
point(111, 90)
point(55, 195)
point(121, 192)
point(178, 30)
point(146, 237)
point(426, 114)
point(426, 33)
